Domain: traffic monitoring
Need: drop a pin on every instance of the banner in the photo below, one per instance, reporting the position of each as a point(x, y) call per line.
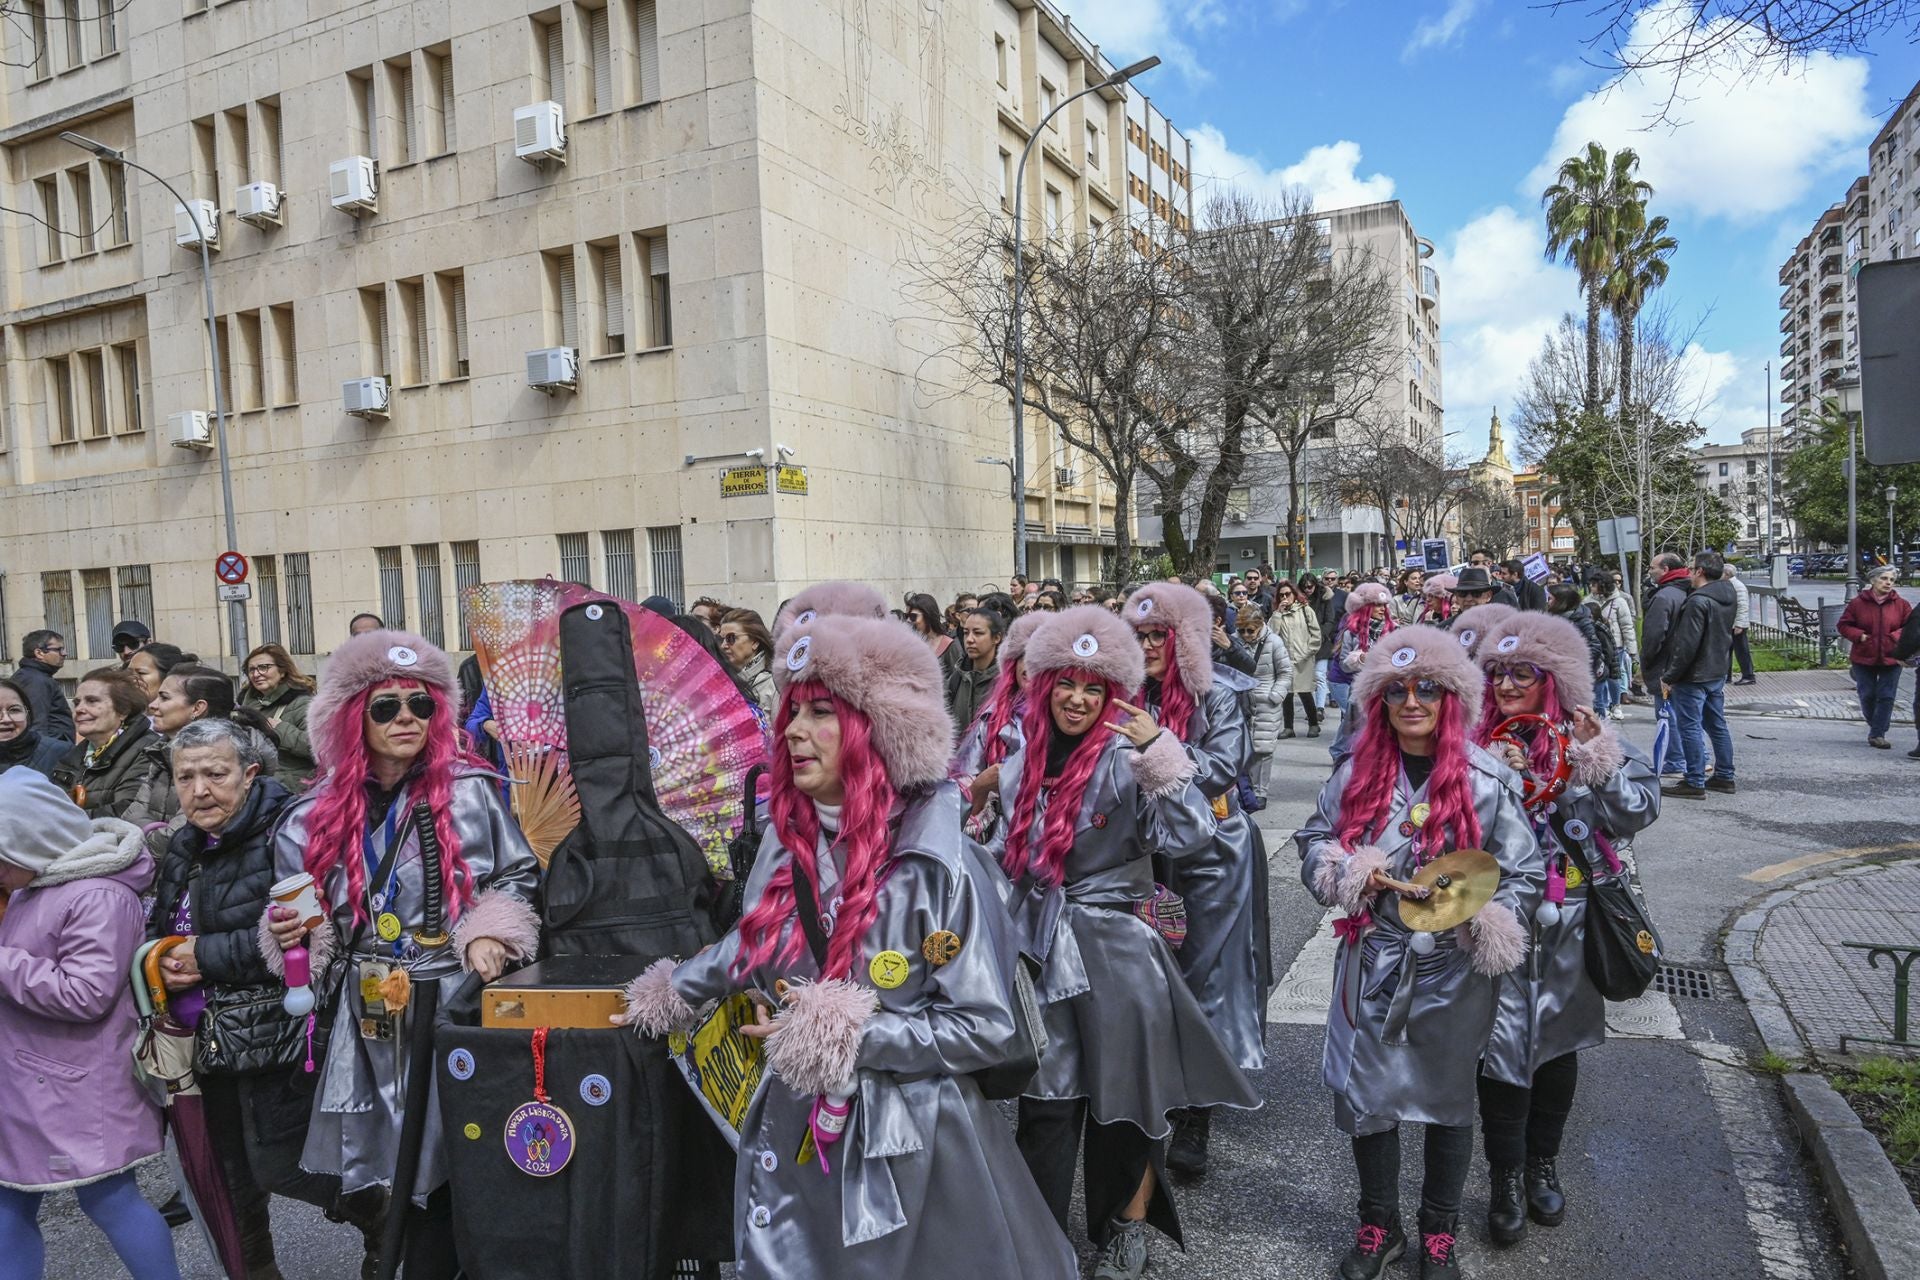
point(723, 1067)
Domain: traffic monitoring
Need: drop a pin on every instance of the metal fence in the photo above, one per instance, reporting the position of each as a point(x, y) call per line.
point(1805, 632)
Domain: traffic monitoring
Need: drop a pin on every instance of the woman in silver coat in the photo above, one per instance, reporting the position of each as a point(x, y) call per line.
point(1538, 664)
point(1226, 913)
point(995, 732)
point(1090, 797)
point(868, 1150)
point(383, 733)
point(1411, 1011)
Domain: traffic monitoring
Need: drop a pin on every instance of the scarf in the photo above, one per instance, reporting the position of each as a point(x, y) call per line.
point(19, 750)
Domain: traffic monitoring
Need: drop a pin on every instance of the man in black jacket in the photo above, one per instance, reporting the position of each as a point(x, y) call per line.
point(1527, 593)
point(1671, 583)
point(45, 652)
point(1699, 649)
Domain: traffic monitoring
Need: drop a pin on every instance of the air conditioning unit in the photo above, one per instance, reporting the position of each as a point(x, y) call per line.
point(258, 203)
point(1236, 517)
point(365, 397)
point(187, 234)
point(190, 429)
point(553, 369)
point(540, 132)
point(1063, 478)
point(353, 185)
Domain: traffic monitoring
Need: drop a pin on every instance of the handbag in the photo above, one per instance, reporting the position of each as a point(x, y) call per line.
point(1622, 947)
point(1166, 912)
point(245, 1031)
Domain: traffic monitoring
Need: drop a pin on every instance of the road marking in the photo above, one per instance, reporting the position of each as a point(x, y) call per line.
point(1781, 1234)
point(1767, 875)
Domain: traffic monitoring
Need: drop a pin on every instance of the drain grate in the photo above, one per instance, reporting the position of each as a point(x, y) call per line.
point(1681, 981)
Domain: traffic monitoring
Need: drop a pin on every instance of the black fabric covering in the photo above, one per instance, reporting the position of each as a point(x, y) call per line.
point(1114, 1159)
point(650, 1181)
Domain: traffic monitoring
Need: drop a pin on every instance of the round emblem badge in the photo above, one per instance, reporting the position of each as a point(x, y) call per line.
point(1404, 656)
point(805, 616)
point(595, 612)
point(1144, 608)
point(1577, 829)
point(654, 757)
point(596, 1090)
point(797, 656)
point(539, 1139)
point(888, 970)
point(1575, 877)
point(940, 947)
point(1419, 813)
point(401, 656)
point(472, 1131)
point(460, 1064)
point(387, 925)
point(1644, 941)
point(1086, 646)
point(1508, 644)
point(1467, 638)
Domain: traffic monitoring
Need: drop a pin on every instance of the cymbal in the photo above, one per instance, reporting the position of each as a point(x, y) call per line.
point(1460, 883)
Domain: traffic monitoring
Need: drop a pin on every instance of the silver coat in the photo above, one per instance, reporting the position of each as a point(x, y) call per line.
point(355, 1128)
point(927, 1175)
point(1405, 1031)
point(1549, 1007)
point(1221, 958)
point(1124, 1030)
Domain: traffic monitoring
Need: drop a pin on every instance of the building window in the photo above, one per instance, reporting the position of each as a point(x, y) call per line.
point(249, 371)
point(373, 331)
point(285, 359)
point(365, 111)
point(53, 243)
point(393, 587)
point(1093, 146)
point(222, 330)
point(1000, 59)
point(563, 301)
point(80, 182)
point(426, 578)
point(238, 145)
point(659, 283)
point(39, 59)
point(413, 314)
point(61, 427)
point(1006, 178)
point(646, 51)
point(56, 604)
point(599, 77)
point(550, 62)
point(610, 321)
point(1723, 468)
point(575, 566)
point(126, 360)
point(663, 550)
point(136, 593)
point(116, 176)
point(272, 166)
point(466, 576)
point(267, 577)
point(299, 603)
point(1049, 99)
point(1056, 219)
point(441, 135)
point(93, 370)
point(97, 586)
point(453, 296)
point(205, 153)
point(622, 574)
point(406, 135)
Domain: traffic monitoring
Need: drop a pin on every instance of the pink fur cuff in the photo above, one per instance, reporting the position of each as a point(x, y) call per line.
point(502, 917)
point(1596, 761)
point(1350, 891)
point(815, 1045)
point(654, 1008)
point(1164, 767)
point(321, 943)
point(1495, 939)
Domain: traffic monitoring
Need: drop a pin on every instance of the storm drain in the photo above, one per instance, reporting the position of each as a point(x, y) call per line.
point(1681, 981)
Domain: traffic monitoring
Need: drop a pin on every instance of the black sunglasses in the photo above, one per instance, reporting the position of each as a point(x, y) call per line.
point(385, 709)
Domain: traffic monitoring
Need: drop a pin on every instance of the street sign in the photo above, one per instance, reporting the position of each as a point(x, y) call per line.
point(230, 568)
point(743, 482)
point(234, 592)
point(1620, 536)
point(791, 479)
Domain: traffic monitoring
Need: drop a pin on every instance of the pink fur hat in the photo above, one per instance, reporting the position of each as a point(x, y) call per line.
point(1186, 613)
point(884, 670)
point(1089, 638)
point(1020, 632)
point(1439, 584)
point(1366, 595)
point(1420, 653)
point(1550, 643)
point(831, 599)
point(363, 662)
point(1473, 625)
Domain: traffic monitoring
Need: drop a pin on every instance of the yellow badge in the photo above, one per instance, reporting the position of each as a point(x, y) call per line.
point(1420, 812)
point(1575, 878)
point(1644, 941)
point(888, 970)
point(387, 925)
point(940, 947)
point(1220, 806)
point(472, 1131)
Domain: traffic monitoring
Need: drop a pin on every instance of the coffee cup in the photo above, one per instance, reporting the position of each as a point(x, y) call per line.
point(298, 891)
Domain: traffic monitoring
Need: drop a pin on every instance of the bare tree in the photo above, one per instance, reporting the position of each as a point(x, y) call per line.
point(1490, 518)
point(1376, 465)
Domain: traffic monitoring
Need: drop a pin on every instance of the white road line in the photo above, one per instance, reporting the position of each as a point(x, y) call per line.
point(1780, 1234)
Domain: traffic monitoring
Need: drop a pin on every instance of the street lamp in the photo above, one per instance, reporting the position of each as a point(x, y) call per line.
point(1019, 463)
point(236, 610)
point(1019, 563)
point(1850, 405)
point(1893, 556)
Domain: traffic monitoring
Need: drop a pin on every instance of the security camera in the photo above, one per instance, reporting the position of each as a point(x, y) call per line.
point(785, 450)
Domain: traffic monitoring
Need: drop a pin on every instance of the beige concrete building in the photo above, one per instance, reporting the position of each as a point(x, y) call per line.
point(1739, 475)
point(714, 217)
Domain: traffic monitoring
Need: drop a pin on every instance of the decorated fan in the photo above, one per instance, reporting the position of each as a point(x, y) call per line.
point(703, 733)
point(544, 802)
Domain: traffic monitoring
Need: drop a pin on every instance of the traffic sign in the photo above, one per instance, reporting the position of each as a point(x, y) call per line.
point(230, 568)
point(233, 592)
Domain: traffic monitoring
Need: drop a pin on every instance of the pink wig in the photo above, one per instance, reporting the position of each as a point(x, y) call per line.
point(1047, 862)
point(1188, 618)
point(1001, 708)
point(1375, 775)
point(1357, 619)
point(864, 835)
point(1176, 700)
point(1539, 756)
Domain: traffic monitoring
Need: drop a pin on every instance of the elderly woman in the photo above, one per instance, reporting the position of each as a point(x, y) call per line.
point(383, 735)
point(74, 1116)
point(277, 690)
point(103, 772)
point(188, 693)
point(749, 651)
point(22, 745)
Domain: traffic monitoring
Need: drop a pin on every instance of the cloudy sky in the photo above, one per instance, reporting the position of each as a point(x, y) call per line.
point(1463, 109)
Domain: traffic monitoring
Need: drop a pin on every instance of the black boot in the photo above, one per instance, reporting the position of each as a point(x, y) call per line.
point(1507, 1206)
point(1187, 1152)
point(1376, 1245)
point(1437, 1237)
point(1545, 1202)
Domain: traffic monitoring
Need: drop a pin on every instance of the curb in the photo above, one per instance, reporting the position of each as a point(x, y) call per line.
point(1877, 1217)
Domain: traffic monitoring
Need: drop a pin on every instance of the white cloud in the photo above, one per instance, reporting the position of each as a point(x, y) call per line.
point(1440, 31)
point(1329, 171)
point(1136, 28)
point(1736, 143)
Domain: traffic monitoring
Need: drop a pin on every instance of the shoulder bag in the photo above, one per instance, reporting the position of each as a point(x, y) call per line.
point(1622, 947)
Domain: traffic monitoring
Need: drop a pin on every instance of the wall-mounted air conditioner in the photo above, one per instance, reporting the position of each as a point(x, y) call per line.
point(365, 397)
point(190, 429)
point(540, 132)
point(1064, 478)
point(353, 185)
point(552, 369)
point(258, 203)
point(187, 233)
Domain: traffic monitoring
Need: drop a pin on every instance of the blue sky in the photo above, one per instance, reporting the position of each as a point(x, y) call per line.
point(1462, 109)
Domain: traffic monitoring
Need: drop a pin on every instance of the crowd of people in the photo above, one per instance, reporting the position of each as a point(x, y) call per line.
point(1023, 819)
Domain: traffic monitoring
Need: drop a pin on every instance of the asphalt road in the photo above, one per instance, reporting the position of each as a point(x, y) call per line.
point(1680, 1162)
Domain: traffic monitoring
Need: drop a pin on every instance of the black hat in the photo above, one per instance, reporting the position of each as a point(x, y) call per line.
point(134, 629)
point(1473, 581)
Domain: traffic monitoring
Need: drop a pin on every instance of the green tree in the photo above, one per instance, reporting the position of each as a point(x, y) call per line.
point(1814, 485)
point(1640, 269)
point(1594, 207)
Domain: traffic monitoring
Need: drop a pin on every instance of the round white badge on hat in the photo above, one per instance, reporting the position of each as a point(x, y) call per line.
point(1577, 829)
point(1144, 608)
point(1467, 638)
point(460, 1064)
point(1403, 657)
point(805, 616)
point(797, 656)
point(1086, 646)
point(1508, 644)
point(401, 656)
point(595, 612)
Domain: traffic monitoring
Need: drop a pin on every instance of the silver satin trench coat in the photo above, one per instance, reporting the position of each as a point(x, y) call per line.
point(1124, 1030)
point(354, 1132)
point(1405, 1031)
point(1221, 958)
point(927, 1177)
point(1549, 1007)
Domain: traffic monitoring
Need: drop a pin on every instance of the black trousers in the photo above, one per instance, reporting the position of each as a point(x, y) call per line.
point(1117, 1157)
point(1449, 1151)
point(1306, 700)
point(1517, 1123)
point(1743, 654)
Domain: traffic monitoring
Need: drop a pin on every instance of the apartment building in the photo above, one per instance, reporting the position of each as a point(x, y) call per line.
point(1547, 531)
point(1893, 184)
point(609, 290)
point(1159, 174)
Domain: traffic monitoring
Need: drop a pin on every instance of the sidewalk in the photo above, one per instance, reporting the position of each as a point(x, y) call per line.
point(1817, 695)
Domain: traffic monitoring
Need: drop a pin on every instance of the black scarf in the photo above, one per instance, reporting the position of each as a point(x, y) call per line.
point(19, 750)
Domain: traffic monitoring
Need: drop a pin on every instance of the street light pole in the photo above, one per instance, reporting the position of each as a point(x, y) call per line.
point(1893, 556)
point(1115, 80)
point(1853, 517)
point(1767, 540)
point(236, 610)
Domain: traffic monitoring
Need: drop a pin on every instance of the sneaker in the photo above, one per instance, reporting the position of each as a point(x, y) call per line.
point(1313, 731)
point(1724, 785)
point(1880, 743)
point(1437, 1242)
point(1187, 1152)
point(1377, 1245)
point(1684, 791)
point(1125, 1257)
point(1615, 713)
point(1746, 680)
point(1287, 733)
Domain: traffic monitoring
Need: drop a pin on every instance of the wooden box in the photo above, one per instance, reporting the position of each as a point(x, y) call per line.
point(562, 992)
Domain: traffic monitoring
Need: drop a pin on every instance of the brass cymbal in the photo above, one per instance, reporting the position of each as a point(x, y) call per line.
point(1460, 883)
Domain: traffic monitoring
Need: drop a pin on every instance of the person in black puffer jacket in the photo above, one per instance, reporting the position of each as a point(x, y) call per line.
point(1563, 601)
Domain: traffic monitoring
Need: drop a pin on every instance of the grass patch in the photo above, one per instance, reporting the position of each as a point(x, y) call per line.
point(1770, 658)
point(1773, 1064)
point(1886, 1093)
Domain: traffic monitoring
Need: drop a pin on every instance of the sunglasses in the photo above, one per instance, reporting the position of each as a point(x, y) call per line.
point(1427, 691)
point(1521, 675)
point(385, 709)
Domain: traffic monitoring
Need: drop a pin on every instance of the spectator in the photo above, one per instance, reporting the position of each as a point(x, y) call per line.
point(1563, 601)
point(1260, 585)
point(46, 653)
point(1473, 586)
point(188, 693)
point(128, 636)
point(1742, 618)
point(956, 617)
point(1906, 651)
point(361, 623)
point(20, 743)
point(1613, 614)
point(1409, 596)
point(709, 611)
point(1527, 593)
point(1368, 618)
point(279, 692)
point(1873, 621)
point(103, 771)
point(1296, 623)
point(749, 651)
point(1227, 649)
point(923, 615)
point(1273, 668)
point(152, 661)
point(1694, 675)
point(1671, 583)
point(970, 684)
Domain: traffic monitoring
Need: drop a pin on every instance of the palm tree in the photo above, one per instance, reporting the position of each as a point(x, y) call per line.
point(1594, 207)
point(1640, 269)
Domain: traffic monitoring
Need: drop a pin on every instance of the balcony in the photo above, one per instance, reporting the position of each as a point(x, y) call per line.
point(1786, 323)
point(1786, 347)
point(1429, 286)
